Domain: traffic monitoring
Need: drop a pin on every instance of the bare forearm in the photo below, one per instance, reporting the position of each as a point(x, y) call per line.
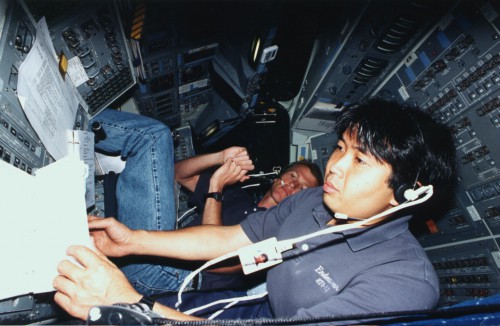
point(203, 242)
point(212, 214)
point(187, 171)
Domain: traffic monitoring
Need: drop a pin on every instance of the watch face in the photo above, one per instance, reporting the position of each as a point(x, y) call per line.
point(215, 195)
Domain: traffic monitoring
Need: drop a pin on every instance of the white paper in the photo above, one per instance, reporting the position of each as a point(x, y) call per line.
point(76, 71)
point(50, 103)
point(81, 144)
point(41, 216)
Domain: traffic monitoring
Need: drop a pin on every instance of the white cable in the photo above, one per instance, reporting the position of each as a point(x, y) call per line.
point(179, 219)
point(276, 170)
point(288, 244)
point(229, 305)
point(252, 185)
point(231, 302)
point(194, 273)
point(261, 174)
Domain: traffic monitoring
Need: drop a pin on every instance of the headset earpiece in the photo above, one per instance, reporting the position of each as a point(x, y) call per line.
point(406, 193)
point(399, 193)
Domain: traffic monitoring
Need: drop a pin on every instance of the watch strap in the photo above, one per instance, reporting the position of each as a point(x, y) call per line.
point(148, 301)
point(215, 195)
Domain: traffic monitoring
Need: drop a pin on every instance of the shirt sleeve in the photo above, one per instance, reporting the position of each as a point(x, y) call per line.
point(263, 225)
point(196, 198)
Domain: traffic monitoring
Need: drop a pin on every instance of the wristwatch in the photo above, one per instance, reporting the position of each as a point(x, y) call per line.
point(215, 195)
point(148, 301)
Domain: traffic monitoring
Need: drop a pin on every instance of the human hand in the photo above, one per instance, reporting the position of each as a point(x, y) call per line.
point(96, 282)
point(232, 152)
point(240, 156)
point(228, 174)
point(110, 236)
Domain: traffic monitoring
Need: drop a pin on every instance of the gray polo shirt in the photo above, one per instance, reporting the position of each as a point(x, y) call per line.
point(358, 271)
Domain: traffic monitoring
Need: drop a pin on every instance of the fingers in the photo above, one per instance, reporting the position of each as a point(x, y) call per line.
point(232, 171)
point(229, 173)
point(99, 222)
point(96, 281)
point(66, 285)
point(230, 166)
point(237, 154)
point(60, 297)
point(93, 217)
point(240, 169)
point(248, 167)
point(243, 156)
point(229, 169)
point(69, 270)
point(85, 256)
point(242, 153)
point(240, 156)
point(242, 176)
point(244, 162)
point(64, 300)
point(66, 282)
point(231, 152)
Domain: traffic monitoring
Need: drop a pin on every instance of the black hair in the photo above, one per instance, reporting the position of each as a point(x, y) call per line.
point(408, 139)
point(313, 168)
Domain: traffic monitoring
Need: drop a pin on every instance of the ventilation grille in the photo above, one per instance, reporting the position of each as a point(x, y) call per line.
point(404, 26)
point(369, 68)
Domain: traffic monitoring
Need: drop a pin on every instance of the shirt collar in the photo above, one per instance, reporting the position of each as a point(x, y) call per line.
point(361, 238)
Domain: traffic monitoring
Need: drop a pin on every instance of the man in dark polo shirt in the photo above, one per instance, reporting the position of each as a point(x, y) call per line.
point(235, 202)
point(219, 195)
point(346, 248)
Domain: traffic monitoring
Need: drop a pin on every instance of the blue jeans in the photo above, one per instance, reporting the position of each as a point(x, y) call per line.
point(145, 191)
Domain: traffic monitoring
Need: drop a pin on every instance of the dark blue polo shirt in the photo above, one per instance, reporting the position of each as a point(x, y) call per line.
point(376, 269)
point(236, 206)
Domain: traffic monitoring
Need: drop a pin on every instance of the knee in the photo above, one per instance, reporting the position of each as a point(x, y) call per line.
point(161, 131)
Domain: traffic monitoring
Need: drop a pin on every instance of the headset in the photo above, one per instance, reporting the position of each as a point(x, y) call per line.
point(405, 192)
point(276, 171)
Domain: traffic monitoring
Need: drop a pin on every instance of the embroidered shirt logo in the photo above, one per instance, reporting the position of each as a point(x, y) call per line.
point(324, 281)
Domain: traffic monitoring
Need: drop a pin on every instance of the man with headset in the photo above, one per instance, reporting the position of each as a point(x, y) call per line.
point(384, 150)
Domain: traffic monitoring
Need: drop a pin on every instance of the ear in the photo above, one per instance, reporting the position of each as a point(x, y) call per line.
point(393, 202)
